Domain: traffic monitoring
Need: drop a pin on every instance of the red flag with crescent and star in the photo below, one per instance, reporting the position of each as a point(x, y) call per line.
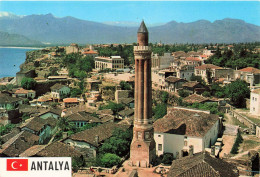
point(17, 165)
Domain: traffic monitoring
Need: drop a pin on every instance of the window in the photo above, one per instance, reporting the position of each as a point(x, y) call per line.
point(139, 146)
point(159, 135)
point(139, 134)
point(159, 147)
point(147, 135)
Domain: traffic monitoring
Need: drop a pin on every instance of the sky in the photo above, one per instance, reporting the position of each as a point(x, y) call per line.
point(134, 11)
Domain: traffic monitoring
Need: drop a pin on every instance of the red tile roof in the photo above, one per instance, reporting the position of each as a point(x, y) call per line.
point(23, 91)
point(90, 52)
point(193, 59)
point(70, 100)
point(257, 91)
point(250, 70)
point(208, 66)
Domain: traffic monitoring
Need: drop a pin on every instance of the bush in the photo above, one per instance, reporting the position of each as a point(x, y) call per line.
point(6, 129)
point(239, 140)
point(183, 93)
point(167, 158)
point(125, 86)
point(206, 94)
point(28, 83)
point(109, 160)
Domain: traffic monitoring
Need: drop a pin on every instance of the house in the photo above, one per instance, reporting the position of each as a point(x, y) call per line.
point(93, 84)
point(172, 84)
point(127, 113)
point(56, 149)
point(255, 102)
point(91, 53)
point(194, 87)
point(25, 93)
point(113, 62)
point(163, 74)
point(47, 98)
point(202, 164)
point(73, 48)
point(258, 131)
point(9, 116)
point(69, 102)
point(59, 91)
point(44, 128)
point(206, 71)
point(185, 72)
point(18, 144)
point(9, 102)
point(88, 141)
point(195, 98)
point(54, 113)
point(163, 61)
point(82, 118)
point(250, 75)
point(183, 129)
point(193, 61)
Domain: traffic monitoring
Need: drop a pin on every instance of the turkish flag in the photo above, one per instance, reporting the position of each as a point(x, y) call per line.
point(17, 165)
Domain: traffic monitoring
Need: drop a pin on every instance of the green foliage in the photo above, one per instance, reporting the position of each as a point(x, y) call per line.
point(109, 160)
point(25, 116)
point(239, 140)
point(241, 57)
point(125, 86)
point(77, 163)
point(75, 92)
point(126, 52)
point(28, 83)
point(217, 90)
point(160, 110)
point(165, 97)
point(118, 144)
point(237, 91)
point(6, 129)
point(198, 79)
point(53, 71)
point(167, 158)
point(206, 94)
point(183, 93)
point(78, 65)
point(212, 107)
point(113, 106)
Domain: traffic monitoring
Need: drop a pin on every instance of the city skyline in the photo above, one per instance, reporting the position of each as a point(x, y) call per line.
point(156, 12)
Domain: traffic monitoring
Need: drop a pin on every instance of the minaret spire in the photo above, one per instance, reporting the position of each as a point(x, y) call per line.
point(143, 145)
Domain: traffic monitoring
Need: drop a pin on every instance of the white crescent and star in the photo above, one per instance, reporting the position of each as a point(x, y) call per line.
point(12, 165)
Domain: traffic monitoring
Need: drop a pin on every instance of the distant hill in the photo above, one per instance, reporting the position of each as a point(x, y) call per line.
point(50, 29)
point(16, 40)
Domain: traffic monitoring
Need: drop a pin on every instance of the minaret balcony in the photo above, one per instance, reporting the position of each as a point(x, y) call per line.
point(142, 48)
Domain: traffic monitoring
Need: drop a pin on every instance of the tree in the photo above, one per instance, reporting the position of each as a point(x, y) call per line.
point(124, 85)
point(119, 143)
point(160, 111)
point(109, 160)
point(165, 97)
point(77, 162)
point(113, 106)
point(198, 79)
point(206, 94)
point(28, 83)
point(237, 91)
point(167, 158)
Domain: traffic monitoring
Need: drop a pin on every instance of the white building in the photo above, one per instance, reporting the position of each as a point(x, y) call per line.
point(59, 91)
point(183, 131)
point(113, 62)
point(255, 102)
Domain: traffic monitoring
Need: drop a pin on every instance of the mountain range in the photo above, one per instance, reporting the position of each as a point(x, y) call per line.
point(43, 29)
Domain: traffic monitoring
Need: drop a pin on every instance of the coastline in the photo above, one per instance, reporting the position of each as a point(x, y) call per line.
point(11, 47)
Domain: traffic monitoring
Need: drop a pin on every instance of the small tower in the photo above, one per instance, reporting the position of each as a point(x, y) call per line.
point(143, 145)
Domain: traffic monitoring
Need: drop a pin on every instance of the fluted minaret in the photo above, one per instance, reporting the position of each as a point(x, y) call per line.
point(143, 145)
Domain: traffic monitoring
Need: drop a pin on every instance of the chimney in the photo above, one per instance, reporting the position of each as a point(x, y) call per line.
point(191, 150)
point(96, 138)
point(64, 135)
point(212, 153)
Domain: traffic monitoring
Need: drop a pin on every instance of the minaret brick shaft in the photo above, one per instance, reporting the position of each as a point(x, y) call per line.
point(143, 145)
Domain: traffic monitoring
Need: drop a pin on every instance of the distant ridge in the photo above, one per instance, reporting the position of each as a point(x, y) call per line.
point(50, 29)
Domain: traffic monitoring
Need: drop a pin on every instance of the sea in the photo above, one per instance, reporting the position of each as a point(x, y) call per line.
point(10, 60)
